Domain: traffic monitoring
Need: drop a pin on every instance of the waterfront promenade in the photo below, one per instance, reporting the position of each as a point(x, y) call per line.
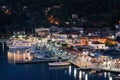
point(96, 67)
point(85, 64)
point(76, 60)
point(45, 60)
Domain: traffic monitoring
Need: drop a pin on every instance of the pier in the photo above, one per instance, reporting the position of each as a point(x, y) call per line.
point(45, 60)
point(96, 68)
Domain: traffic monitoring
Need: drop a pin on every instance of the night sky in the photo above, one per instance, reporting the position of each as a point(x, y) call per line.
point(19, 14)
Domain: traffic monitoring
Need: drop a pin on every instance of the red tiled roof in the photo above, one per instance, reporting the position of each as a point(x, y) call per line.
point(73, 51)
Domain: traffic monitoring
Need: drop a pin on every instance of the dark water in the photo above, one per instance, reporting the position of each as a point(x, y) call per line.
point(10, 71)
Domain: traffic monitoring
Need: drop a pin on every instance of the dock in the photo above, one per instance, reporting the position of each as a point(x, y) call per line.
point(38, 61)
point(97, 68)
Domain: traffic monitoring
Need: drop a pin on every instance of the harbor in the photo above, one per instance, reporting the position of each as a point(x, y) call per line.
point(64, 56)
point(78, 65)
point(75, 72)
point(59, 40)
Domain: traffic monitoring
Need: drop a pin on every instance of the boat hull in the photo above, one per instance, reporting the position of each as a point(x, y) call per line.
point(57, 64)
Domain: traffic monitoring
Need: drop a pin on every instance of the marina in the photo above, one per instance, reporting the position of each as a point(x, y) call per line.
point(71, 71)
point(59, 40)
point(40, 50)
point(48, 53)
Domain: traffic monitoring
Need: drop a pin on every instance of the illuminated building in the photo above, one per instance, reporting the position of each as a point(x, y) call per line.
point(19, 56)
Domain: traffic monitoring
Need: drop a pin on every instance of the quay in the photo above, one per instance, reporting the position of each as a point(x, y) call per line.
point(85, 65)
point(46, 60)
point(96, 68)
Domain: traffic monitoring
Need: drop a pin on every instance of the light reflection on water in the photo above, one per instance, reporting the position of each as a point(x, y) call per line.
point(42, 71)
point(19, 56)
point(80, 74)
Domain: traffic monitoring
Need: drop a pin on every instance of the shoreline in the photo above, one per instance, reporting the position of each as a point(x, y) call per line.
point(95, 69)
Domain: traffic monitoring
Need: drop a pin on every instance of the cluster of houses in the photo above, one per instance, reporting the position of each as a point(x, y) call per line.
point(88, 45)
point(93, 38)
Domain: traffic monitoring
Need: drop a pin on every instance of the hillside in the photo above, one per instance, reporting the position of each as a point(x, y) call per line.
point(103, 12)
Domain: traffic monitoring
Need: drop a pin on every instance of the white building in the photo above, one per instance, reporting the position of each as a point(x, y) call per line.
point(68, 36)
point(42, 31)
point(97, 45)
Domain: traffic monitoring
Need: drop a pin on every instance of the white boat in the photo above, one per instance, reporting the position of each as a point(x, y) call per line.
point(39, 56)
point(57, 64)
point(19, 44)
point(37, 52)
point(35, 49)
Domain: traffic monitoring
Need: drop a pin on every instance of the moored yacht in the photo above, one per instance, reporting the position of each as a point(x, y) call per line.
point(19, 44)
point(57, 64)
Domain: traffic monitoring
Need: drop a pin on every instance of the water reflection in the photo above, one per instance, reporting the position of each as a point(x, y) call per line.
point(110, 78)
point(108, 74)
point(105, 74)
point(42, 71)
point(83, 73)
point(86, 76)
point(19, 56)
point(70, 70)
point(75, 72)
point(3, 46)
point(80, 75)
